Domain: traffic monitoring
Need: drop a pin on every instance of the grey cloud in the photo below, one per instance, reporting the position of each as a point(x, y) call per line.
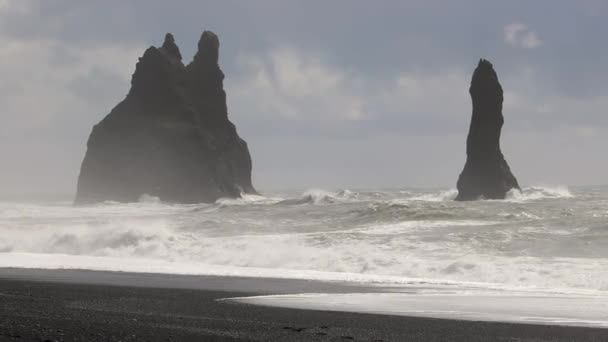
point(97, 87)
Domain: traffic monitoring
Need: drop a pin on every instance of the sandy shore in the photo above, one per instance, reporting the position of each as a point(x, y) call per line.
point(69, 305)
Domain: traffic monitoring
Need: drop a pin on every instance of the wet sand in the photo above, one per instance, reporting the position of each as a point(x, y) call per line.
point(73, 305)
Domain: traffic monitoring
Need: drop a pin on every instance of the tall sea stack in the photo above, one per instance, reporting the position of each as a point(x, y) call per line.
point(170, 137)
point(486, 173)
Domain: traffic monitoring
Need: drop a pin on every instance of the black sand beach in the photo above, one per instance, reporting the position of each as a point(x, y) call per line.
point(43, 305)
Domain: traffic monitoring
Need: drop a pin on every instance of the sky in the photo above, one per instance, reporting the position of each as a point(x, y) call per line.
point(328, 94)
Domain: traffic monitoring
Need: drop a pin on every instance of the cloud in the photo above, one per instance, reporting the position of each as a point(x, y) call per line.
point(291, 84)
point(38, 87)
point(519, 35)
point(289, 91)
point(434, 95)
point(295, 108)
point(52, 93)
point(14, 7)
point(304, 93)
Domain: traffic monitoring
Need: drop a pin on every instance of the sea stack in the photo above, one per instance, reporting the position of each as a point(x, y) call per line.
point(170, 137)
point(486, 174)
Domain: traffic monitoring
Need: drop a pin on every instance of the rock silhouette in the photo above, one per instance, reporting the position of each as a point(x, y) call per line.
point(486, 173)
point(170, 137)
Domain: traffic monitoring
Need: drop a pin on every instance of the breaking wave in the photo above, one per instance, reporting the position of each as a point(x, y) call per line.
point(440, 196)
point(319, 196)
point(538, 193)
point(246, 199)
point(526, 241)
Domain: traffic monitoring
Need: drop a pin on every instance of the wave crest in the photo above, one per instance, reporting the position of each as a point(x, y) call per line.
point(246, 199)
point(538, 193)
point(441, 196)
point(320, 196)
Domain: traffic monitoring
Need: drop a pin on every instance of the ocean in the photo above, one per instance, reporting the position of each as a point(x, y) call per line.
point(546, 247)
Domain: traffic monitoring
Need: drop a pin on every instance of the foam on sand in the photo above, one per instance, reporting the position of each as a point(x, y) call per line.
point(517, 308)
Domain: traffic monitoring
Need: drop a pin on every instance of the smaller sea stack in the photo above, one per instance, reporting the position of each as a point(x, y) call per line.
point(486, 174)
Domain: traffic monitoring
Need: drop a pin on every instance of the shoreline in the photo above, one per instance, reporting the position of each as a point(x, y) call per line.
point(68, 305)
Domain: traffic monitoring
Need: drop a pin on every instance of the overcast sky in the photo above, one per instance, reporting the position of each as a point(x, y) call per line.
point(328, 94)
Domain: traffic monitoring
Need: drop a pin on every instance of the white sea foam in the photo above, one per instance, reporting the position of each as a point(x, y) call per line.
point(446, 195)
point(397, 250)
point(247, 199)
point(477, 306)
point(526, 194)
point(419, 225)
point(427, 286)
point(320, 196)
point(538, 193)
point(375, 236)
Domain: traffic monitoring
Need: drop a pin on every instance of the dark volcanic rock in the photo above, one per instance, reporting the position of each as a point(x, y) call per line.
point(486, 174)
point(170, 137)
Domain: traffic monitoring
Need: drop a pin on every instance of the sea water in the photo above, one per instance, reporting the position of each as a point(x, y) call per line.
point(546, 247)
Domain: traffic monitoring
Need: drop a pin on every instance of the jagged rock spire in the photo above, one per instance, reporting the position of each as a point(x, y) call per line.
point(486, 173)
point(170, 137)
point(486, 91)
point(170, 48)
point(208, 48)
